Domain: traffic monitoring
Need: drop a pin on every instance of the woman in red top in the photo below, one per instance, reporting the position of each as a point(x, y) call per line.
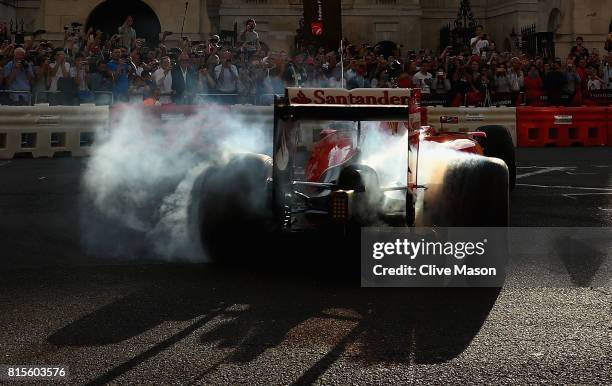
point(533, 85)
point(584, 80)
point(404, 80)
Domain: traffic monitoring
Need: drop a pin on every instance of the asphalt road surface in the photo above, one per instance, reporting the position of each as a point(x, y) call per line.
point(302, 320)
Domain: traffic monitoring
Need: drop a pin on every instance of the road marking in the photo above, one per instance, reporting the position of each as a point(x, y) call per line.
point(543, 167)
point(605, 191)
point(5, 163)
point(606, 188)
point(570, 195)
point(544, 170)
point(578, 174)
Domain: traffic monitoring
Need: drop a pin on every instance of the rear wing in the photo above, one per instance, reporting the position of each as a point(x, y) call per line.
point(365, 104)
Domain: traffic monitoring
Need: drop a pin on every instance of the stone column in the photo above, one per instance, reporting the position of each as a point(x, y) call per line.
point(205, 25)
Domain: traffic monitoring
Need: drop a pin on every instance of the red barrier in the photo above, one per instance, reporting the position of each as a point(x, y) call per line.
point(423, 115)
point(561, 126)
point(609, 126)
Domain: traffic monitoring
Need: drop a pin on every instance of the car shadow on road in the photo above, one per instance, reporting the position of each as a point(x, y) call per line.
point(301, 301)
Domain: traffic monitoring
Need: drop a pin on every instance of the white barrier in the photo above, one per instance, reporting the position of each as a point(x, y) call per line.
point(471, 118)
point(251, 110)
point(44, 131)
point(263, 115)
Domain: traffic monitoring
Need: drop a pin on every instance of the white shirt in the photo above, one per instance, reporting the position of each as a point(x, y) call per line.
point(128, 34)
point(422, 81)
point(350, 73)
point(184, 72)
point(58, 74)
point(230, 76)
point(251, 38)
point(164, 82)
point(479, 45)
point(594, 84)
point(333, 83)
point(517, 80)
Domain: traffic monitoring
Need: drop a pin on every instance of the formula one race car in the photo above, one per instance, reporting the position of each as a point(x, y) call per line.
point(345, 159)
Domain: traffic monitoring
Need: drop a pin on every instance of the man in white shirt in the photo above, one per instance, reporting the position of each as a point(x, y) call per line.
point(479, 42)
point(351, 72)
point(594, 82)
point(58, 69)
point(226, 75)
point(515, 75)
point(422, 79)
point(135, 57)
point(163, 79)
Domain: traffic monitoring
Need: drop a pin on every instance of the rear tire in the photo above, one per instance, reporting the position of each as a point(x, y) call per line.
point(234, 210)
point(474, 193)
point(499, 145)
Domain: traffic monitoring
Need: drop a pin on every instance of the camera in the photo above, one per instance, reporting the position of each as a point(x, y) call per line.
point(394, 65)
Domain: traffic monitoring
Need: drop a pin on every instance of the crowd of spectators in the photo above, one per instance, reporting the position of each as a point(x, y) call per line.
point(91, 67)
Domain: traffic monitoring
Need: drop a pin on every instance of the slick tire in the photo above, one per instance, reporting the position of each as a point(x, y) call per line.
point(499, 145)
point(474, 193)
point(234, 212)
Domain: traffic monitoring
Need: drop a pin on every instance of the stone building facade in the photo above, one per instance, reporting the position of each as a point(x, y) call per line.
point(412, 23)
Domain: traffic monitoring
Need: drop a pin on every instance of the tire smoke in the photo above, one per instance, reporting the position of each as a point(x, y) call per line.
point(138, 197)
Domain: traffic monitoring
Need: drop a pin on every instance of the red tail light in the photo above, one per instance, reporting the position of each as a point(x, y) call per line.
point(339, 205)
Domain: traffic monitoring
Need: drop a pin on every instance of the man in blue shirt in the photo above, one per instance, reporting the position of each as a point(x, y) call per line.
point(118, 69)
point(19, 76)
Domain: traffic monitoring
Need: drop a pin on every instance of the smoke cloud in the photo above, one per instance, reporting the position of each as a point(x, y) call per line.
point(137, 189)
point(386, 153)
